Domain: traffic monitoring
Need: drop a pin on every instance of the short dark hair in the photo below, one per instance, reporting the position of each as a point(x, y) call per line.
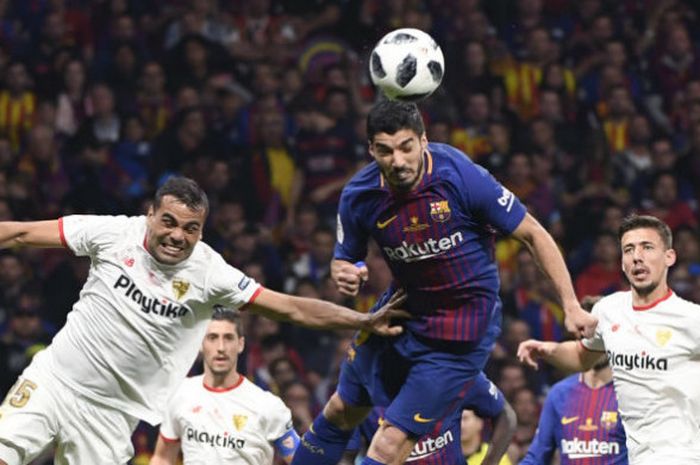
point(232, 316)
point(185, 190)
point(634, 221)
point(390, 116)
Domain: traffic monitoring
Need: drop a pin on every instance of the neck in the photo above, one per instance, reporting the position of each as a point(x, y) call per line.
point(643, 300)
point(221, 380)
point(471, 445)
point(597, 378)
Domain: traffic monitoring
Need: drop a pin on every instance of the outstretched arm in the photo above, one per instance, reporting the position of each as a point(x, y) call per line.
point(30, 233)
point(568, 356)
point(548, 256)
point(320, 314)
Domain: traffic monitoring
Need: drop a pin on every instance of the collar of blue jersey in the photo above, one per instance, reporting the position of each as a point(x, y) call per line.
point(427, 163)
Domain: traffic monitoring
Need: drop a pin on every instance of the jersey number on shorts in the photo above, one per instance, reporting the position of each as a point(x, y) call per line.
point(20, 393)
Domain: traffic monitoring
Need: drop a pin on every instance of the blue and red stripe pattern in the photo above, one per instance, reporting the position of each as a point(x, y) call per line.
point(437, 239)
point(583, 423)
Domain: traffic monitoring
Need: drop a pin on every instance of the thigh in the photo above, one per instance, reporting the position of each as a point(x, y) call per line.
point(94, 433)
point(439, 379)
point(28, 417)
point(361, 375)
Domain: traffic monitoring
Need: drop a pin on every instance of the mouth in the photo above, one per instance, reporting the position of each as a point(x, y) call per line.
point(640, 273)
point(170, 249)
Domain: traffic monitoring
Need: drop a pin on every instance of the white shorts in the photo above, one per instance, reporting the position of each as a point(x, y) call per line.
point(40, 412)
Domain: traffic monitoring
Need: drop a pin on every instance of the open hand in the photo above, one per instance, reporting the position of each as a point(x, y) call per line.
point(532, 350)
point(380, 322)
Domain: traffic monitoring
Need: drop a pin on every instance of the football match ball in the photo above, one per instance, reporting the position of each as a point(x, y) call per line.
point(407, 64)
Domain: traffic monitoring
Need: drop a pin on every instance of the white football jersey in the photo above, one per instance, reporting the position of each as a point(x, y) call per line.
point(234, 426)
point(654, 352)
point(136, 329)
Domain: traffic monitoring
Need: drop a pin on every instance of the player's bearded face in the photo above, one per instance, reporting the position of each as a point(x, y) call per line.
point(173, 230)
point(400, 157)
point(645, 259)
point(221, 347)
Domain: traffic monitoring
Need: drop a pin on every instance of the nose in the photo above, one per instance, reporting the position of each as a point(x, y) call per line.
point(177, 235)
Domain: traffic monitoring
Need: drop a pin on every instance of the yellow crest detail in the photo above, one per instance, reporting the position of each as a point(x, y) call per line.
point(440, 211)
point(180, 288)
point(663, 336)
point(415, 225)
point(608, 418)
point(239, 421)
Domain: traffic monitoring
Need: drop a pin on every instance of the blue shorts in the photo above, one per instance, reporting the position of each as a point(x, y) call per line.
point(421, 381)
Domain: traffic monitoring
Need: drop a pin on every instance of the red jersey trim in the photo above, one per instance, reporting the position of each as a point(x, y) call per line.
point(167, 439)
point(61, 234)
point(241, 378)
point(588, 349)
point(654, 303)
point(252, 298)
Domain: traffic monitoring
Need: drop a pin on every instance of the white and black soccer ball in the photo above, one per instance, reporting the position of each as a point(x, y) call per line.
point(407, 64)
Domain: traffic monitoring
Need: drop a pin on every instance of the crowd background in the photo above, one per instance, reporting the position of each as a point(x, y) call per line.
point(587, 110)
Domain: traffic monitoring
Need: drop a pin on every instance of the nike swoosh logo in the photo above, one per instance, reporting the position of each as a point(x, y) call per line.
point(382, 225)
point(567, 420)
point(419, 419)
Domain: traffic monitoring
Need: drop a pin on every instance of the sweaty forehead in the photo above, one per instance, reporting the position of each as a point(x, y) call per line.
point(399, 137)
point(182, 213)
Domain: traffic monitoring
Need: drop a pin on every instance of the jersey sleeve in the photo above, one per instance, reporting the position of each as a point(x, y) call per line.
point(544, 444)
point(228, 286)
point(484, 398)
point(279, 419)
point(170, 428)
point(351, 239)
point(595, 343)
point(489, 200)
point(87, 235)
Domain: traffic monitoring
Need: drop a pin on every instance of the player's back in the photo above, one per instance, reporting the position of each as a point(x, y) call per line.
point(438, 239)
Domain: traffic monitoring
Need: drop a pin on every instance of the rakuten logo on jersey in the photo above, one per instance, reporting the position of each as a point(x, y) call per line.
point(148, 304)
point(641, 361)
point(214, 440)
point(420, 251)
point(430, 446)
point(578, 449)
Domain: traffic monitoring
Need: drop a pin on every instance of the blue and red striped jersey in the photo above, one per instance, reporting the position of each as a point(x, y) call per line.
point(583, 423)
point(438, 239)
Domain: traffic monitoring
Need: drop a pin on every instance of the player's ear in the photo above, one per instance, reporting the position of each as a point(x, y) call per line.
point(670, 257)
point(241, 344)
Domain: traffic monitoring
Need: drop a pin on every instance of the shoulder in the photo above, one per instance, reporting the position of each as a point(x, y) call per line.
point(368, 177)
point(613, 303)
point(451, 162)
point(266, 399)
point(565, 384)
point(188, 388)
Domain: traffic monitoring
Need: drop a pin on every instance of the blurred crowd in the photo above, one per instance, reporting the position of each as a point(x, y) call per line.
point(587, 110)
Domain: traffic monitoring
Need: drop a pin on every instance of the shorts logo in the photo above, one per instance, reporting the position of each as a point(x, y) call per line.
point(440, 211)
point(180, 288)
point(419, 419)
point(239, 421)
point(567, 420)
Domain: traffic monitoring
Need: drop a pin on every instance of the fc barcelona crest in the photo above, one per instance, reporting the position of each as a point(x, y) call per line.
point(239, 421)
point(180, 288)
point(440, 211)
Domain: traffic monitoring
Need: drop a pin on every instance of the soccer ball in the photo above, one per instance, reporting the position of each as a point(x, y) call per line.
point(407, 64)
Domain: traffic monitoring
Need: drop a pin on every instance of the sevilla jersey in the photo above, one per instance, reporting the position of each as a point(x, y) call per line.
point(133, 334)
point(438, 239)
point(654, 352)
point(582, 423)
point(235, 426)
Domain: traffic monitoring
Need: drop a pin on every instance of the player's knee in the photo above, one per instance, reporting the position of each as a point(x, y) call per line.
point(390, 445)
point(342, 415)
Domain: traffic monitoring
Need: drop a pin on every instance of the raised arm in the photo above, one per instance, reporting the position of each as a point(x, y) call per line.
point(568, 356)
point(166, 452)
point(550, 260)
point(319, 314)
point(30, 234)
